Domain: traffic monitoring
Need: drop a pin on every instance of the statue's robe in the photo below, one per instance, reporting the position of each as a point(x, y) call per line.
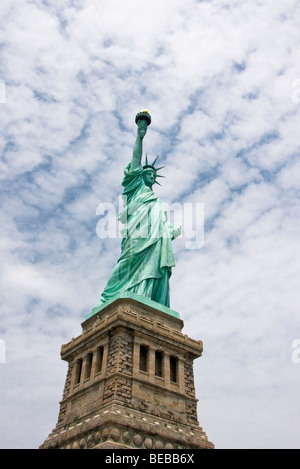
point(147, 257)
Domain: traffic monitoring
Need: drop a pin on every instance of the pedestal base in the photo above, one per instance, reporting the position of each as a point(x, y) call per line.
point(130, 383)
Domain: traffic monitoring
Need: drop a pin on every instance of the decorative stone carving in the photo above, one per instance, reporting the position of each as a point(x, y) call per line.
point(138, 439)
point(148, 443)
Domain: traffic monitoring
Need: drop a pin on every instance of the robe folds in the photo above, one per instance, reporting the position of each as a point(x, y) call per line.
point(147, 257)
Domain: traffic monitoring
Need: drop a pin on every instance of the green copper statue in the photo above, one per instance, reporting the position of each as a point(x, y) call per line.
point(147, 258)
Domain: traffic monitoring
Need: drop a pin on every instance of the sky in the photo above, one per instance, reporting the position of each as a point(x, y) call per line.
point(221, 80)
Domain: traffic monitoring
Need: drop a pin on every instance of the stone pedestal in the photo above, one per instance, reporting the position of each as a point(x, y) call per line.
point(130, 382)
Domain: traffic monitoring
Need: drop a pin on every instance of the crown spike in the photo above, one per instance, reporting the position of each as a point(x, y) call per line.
point(157, 169)
point(146, 159)
point(155, 160)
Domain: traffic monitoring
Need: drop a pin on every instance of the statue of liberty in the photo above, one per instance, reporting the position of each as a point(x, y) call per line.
point(145, 265)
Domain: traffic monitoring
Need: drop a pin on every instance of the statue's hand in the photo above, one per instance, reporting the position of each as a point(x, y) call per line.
point(175, 231)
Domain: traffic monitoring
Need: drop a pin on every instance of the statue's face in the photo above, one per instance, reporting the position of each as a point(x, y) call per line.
point(149, 177)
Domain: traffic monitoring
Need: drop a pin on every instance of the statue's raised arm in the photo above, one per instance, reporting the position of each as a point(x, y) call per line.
point(143, 119)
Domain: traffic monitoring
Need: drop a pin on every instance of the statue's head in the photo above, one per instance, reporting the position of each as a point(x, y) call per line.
point(150, 173)
point(149, 176)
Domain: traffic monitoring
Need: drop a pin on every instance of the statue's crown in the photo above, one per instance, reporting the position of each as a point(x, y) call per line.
point(152, 166)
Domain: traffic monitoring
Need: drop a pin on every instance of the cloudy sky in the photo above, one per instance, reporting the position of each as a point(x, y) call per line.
point(221, 80)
